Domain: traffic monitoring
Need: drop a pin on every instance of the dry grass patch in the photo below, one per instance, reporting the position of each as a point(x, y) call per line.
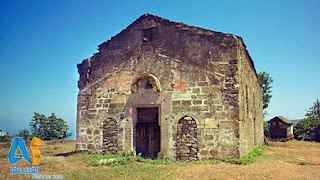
point(282, 160)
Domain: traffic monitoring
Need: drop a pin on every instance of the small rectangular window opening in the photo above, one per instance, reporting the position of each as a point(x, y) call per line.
point(147, 35)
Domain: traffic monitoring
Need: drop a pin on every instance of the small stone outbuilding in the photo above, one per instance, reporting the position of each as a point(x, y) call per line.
point(315, 135)
point(280, 128)
point(170, 90)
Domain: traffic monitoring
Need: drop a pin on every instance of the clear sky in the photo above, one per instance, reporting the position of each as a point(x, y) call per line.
point(41, 43)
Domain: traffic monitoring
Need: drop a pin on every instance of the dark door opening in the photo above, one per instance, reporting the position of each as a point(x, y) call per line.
point(148, 132)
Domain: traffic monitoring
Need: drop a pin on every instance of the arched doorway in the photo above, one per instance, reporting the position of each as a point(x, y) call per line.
point(147, 129)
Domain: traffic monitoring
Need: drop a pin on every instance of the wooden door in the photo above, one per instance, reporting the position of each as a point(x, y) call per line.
point(148, 139)
point(148, 133)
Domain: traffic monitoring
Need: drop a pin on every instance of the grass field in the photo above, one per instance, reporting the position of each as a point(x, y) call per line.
point(282, 160)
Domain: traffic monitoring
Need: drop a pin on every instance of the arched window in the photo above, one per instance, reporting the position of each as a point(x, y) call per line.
point(146, 83)
point(187, 146)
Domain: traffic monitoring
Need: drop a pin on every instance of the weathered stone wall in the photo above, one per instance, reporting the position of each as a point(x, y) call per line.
point(250, 104)
point(197, 72)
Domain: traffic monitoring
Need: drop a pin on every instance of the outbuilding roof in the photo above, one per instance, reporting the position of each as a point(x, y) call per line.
point(285, 120)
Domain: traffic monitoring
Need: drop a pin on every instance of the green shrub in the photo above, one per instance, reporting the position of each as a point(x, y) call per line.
point(129, 157)
point(120, 159)
point(249, 158)
point(302, 129)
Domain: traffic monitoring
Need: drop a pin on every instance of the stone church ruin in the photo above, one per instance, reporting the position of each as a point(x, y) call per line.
point(169, 90)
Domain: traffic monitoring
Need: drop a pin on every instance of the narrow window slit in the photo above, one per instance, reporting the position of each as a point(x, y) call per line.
point(147, 35)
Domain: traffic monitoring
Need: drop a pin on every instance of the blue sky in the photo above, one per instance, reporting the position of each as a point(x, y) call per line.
point(41, 43)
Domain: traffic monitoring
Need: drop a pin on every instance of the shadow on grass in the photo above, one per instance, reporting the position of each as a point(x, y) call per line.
point(67, 154)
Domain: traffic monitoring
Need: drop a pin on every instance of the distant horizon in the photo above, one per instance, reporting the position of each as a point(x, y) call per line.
point(42, 43)
point(73, 136)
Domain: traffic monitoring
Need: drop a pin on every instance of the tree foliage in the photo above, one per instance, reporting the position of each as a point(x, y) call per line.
point(265, 129)
point(48, 128)
point(302, 129)
point(265, 82)
point(4, 139)
point(314, 111)
point(25, 134)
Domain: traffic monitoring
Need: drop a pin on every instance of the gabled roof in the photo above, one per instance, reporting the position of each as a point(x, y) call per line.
point(282, 119)
point(179, 25)
point(183, 27)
